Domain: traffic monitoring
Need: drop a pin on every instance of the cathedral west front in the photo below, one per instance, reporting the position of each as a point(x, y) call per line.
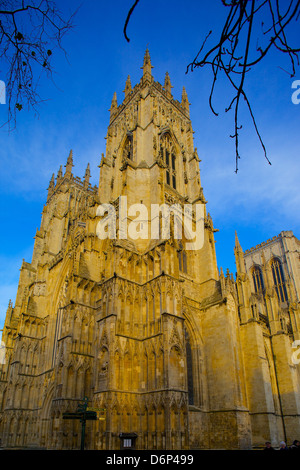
point(138, 319)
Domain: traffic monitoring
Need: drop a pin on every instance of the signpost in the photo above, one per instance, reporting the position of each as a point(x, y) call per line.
point(84, 414)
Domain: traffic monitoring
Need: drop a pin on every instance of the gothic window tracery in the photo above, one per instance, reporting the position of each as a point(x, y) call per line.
point(168, 155)
point(279, 280)
point(127, 151)
point(257, 279)
point(189, 368)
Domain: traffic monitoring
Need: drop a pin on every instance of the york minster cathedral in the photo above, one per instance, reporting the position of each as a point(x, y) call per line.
point(174, 352)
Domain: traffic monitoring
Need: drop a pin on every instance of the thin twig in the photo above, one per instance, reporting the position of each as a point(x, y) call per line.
point(128, 18)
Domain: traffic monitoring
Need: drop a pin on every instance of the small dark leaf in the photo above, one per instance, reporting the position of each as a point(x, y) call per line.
point(19, 36)
point(49, 52)
point(19, 106)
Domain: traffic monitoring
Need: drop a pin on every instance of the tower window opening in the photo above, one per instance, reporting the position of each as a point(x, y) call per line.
point(128, 148)
point(174, 182)
point(189, 364)
point(279, 281)
point(257, 280)
point(169, 158)
point(182, 260)
point(173, 162)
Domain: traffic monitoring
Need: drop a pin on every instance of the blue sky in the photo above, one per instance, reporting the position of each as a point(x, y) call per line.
point(258, 202)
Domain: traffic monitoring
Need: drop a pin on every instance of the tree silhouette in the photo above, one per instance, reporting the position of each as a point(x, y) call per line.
point(30, 32)
point(251, 30)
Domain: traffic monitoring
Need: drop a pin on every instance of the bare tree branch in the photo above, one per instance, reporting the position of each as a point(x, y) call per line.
point(231, 53)
point(30, 33)
point(128, 18)
point(235, 53)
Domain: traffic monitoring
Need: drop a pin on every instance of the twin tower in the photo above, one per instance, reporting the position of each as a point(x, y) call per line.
point(146, 329)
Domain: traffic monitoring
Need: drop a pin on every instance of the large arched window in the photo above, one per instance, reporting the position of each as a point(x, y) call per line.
point(279, 281)
point(257, 279)
point(169, 158)
point(127, 152)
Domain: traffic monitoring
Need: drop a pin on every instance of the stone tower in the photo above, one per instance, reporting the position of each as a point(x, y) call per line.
point(138, 319)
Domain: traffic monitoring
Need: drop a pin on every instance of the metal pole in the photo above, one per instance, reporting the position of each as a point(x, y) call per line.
point(82, 433)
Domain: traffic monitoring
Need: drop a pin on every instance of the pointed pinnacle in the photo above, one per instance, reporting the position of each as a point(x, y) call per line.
point(87, 171)
point(128, 87)
point(69, 164)
point(52, 182)
point(147, 64)
point(237, 242)
point(60, 172)
point(168, 87)
point(70, 157)
point(114, 104)
point(147, 59)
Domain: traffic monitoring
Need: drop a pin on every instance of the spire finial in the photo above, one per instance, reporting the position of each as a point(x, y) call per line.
point(69, 164)
point(87, 176)
point(114, 105)
point(128, 87)
point(51, 186)
point(114, 101)
point(9, 310)
point(239, 256)
point(147, 74)
point(237, 242)
point(185, 102)
point(59, 174)
point(52, 182)
point(167, 86)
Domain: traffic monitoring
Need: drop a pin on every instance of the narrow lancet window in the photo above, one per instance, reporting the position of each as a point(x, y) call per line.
point(279, 280)
point(127, 153)
point(257, 280)
point(169, 157)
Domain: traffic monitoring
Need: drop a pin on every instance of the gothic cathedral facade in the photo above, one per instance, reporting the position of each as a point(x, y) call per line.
point(154, 334)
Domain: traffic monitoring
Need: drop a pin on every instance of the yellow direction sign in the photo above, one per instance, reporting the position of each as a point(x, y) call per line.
point(101, 413)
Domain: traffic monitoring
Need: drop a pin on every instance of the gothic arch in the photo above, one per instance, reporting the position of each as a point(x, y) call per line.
point(127, 368)
point(117, 369)
point(152, 370)
point(257, 278)
point(135, 371)
point(168, 131)
point(169, 154)
point(70, 381)
point(279, 278)
point(195, 363)
point(176, 367)
point(126, 146)
point(46, 414)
